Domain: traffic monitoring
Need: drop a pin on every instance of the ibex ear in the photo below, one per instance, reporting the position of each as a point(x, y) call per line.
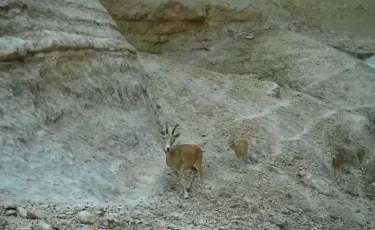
point(176, 135)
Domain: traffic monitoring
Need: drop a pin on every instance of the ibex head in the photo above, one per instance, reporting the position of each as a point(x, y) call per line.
point(169, 138)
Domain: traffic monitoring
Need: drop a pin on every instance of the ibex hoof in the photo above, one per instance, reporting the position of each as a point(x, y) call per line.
point(186, 196)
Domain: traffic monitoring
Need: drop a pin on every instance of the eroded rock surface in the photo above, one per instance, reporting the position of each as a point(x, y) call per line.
point(160, 26)
point(75, 116)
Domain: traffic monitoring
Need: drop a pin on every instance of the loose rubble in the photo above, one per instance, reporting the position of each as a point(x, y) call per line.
point(44, 226)
point(86, 217)
point(10, 206)
point(22, 212)
point(3, 222)
point(274, 91)
point(35, 214)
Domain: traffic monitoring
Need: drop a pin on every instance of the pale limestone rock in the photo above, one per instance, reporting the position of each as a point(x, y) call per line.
point(86, 217)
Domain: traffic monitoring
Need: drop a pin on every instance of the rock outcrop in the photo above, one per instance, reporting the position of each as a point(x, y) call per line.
point(161, 26)
point(75, 115)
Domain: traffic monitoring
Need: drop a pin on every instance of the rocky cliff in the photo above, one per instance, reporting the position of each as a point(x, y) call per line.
point(160, 26)
point(75, 114)
point(173, 25)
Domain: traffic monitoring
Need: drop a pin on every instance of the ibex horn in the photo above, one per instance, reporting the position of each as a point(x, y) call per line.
point(174, 129)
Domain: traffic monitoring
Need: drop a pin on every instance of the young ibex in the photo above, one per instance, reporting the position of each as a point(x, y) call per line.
point(240, 148)
point(338, 163)
point(182, 157)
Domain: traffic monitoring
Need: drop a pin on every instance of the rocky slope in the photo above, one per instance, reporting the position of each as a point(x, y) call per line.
point(293, 137)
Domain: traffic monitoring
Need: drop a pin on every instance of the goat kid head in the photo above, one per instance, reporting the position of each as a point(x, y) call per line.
point(169, 138)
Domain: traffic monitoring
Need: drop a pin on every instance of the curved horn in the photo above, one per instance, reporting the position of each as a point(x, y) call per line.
point(166, 128)
point(174, 129)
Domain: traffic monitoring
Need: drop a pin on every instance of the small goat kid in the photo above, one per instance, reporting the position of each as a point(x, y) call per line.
point(240, 148)
point(182, 157)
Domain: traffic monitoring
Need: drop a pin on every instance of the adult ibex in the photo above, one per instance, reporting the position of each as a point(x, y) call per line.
point(182, 157)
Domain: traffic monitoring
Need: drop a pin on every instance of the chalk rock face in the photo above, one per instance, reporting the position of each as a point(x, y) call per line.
point(165, 25)
point(160, 26)
point(73, 105)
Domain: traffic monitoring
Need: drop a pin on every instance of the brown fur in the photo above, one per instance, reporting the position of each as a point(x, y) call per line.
point(183, 157)
point(186, 156)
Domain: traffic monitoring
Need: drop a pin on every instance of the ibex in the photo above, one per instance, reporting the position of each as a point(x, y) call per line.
point(182, 157)
point(338, 163)
point(240, 148)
